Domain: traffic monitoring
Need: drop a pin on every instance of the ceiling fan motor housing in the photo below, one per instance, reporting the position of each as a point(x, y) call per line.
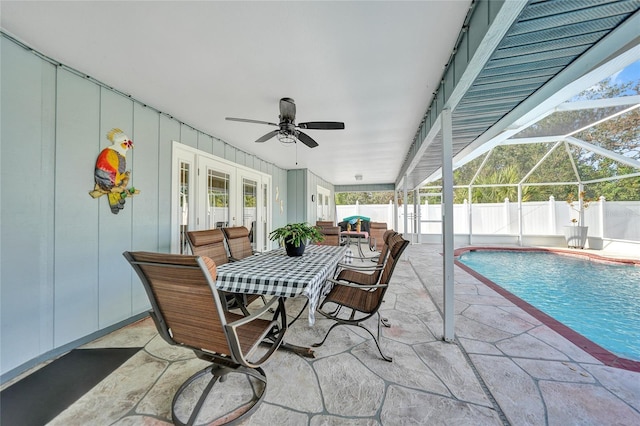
point(288, 130)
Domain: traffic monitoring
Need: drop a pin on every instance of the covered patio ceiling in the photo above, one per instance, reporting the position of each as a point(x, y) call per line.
point(552, 51)
point(386, 69)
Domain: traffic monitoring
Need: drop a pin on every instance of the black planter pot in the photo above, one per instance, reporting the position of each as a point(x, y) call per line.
point(293, 250)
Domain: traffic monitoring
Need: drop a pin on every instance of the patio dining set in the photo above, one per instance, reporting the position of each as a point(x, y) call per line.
point(227, 304)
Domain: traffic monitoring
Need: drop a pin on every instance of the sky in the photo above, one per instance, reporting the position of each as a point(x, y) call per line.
point(630, 73)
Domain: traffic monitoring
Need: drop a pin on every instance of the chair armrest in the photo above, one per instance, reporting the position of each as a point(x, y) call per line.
point(361, 286)
point(275, 332)
point(255, 315)
point(361, 267)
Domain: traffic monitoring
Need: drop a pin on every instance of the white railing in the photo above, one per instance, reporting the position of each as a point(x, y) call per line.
point(614, 220)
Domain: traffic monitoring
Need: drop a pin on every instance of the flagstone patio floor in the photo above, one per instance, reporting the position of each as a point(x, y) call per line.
point(504, 367)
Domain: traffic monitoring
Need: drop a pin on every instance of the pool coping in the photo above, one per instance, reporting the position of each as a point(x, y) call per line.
point(592, 348)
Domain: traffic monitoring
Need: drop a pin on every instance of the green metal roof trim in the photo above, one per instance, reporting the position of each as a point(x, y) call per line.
point(545, 38)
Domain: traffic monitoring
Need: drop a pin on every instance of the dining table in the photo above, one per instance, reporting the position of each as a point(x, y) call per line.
point(274, 273)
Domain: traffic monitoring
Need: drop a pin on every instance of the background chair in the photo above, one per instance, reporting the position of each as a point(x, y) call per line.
point(351, 304)
point(238, 242)
point(366, 274)
point(376, 232)
point(188, 312)
point(331, 236)
point(211, 243)
point(325, 223)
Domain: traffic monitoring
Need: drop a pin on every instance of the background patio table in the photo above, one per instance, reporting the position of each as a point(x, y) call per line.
point(355, 234)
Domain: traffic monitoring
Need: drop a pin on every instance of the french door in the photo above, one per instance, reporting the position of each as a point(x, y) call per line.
point(210, 192)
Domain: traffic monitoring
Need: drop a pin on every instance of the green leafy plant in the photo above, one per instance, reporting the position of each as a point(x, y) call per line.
point(296, 234)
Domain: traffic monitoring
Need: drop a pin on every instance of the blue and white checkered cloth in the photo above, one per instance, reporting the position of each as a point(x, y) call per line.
point(276, 274)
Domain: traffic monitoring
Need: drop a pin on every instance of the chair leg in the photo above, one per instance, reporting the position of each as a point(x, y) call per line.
point(218, 375)
point(315, 345)
point(375, 339)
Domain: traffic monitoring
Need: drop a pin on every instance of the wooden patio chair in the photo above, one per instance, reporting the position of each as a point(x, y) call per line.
point(238, 242)
point(361, 301)
point(188, 312)
point(378, 257)
point(331, 236)
point(325, 223)
point(211, 243)
point(376, 232)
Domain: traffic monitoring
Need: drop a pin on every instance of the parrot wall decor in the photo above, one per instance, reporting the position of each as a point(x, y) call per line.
point(111, 177)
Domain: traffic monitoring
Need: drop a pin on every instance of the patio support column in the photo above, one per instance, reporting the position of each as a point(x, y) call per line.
point(416, 214)
point(404, 204)
point(581, 204)
point(520, 214)
point(447, 224)
point(601, 216)
point(470, 214)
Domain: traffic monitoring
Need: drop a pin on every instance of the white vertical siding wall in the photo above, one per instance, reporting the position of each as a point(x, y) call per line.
point(62, 274)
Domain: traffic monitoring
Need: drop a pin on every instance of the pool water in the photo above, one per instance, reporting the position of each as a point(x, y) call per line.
point(601, 301)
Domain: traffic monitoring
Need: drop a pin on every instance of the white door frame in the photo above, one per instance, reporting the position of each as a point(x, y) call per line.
point(198, 162)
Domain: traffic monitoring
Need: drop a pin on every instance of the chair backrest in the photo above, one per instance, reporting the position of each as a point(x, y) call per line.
point(384, 250)
point(376, 234)
point(331, 236)
point(325, 223)
point(373, 277)
point(396, 244)
point(374, 298)
point(209, 243)
point(186, 307)
point(238, 242)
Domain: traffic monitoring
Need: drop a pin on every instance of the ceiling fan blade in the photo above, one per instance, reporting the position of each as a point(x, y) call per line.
point(246, 120)
point(322, 125)
point(268, 136)
point(307, 140)
point(287, 110)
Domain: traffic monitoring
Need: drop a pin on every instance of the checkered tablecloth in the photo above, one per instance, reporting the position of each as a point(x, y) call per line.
point(274, 273)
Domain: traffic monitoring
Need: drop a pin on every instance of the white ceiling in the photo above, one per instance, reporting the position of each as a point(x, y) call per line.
point(372, 65)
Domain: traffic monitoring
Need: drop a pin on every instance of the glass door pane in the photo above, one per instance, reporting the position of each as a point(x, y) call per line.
point(250, 208)
point(184, 200)
point(323, 195)
point(265, 216)
point(217, 199)
point(325, 209)
point(319, 207)
point(216, 194)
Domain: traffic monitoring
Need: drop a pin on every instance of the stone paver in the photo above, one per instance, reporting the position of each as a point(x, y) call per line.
point(505, 367)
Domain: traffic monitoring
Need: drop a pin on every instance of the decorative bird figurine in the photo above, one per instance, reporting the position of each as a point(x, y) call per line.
point(110, 175)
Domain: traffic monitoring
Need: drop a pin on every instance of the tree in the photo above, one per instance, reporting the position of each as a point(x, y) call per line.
point(511, 163)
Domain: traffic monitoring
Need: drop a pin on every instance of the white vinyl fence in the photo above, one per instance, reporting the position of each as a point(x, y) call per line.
point(614, 220)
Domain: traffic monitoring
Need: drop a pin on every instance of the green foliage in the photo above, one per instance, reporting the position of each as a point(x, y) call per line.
point(375, 197)
point(509, 164)
point(297, 233)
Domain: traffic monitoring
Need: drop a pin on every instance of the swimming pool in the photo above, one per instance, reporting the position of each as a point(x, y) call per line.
point(601, 301)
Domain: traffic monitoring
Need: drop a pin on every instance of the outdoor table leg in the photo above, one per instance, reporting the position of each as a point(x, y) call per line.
point(304, 351)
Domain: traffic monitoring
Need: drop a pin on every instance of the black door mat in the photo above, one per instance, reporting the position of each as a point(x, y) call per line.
point(41, 396)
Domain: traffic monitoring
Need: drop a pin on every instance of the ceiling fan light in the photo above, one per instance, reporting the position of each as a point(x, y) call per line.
point(285, 138)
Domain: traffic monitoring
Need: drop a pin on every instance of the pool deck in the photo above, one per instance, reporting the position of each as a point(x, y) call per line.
point(587, 345)
point(505, 367)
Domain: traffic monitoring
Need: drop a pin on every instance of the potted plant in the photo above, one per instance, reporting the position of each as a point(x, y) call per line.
point(294, 236)
point(576, 234)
